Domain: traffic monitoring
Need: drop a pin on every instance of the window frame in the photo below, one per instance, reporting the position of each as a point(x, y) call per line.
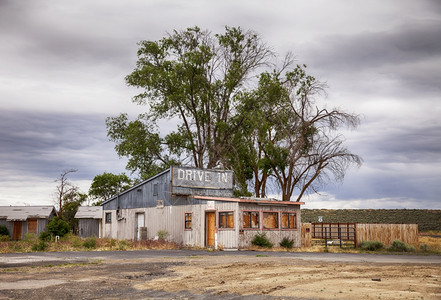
point(188, 221)
point(108, 217)
point(219, 219)
point(277, 220)
point(289, 213)
point(155, 189)
point(250, 212)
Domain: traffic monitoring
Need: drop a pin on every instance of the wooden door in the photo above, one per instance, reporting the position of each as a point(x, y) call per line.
point(32, 226)
point(210, 228)
point(16, 233)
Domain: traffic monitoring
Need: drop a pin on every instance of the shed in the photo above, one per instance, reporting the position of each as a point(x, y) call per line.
point(196, 207)
point(89, 220)
point(21, 220)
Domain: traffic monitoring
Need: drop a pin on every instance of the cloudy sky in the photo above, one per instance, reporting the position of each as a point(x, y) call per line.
point(63, 63)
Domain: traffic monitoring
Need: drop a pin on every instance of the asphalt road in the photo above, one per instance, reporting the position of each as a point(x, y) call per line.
point(43, 258)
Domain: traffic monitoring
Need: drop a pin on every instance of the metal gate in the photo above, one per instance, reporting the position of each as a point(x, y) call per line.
point(335, 231)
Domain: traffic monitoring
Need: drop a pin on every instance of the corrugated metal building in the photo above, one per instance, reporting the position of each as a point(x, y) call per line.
point(21, 220)
point(89, 220)
point(196, 208)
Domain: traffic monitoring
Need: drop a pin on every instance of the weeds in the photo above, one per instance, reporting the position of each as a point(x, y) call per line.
point(261, 240)
point(287, 243)
point(371, 245)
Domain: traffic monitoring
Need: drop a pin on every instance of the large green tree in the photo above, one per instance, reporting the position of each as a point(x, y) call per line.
point(192, 77)
point(230, 106)
point(106, 185)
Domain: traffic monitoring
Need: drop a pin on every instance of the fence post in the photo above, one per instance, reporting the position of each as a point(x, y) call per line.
point(339, 234)
point(326, 238)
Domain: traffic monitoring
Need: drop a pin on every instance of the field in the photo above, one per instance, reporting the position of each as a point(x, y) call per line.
point(425, 218)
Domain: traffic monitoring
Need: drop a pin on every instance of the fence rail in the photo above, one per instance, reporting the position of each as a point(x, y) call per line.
point(358, 233)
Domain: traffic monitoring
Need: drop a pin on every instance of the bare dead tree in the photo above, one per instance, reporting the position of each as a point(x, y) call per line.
point(64, 189)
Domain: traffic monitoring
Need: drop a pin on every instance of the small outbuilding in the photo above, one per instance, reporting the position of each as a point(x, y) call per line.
point(89, 220)
point(20, 220)
point(196, 207)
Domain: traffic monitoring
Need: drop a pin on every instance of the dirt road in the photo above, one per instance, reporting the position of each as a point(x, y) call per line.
point(220, 276)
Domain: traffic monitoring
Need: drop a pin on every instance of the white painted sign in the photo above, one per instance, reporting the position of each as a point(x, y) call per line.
point(201, 178)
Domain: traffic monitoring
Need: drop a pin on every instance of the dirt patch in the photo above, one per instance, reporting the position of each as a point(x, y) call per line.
point(220, 277)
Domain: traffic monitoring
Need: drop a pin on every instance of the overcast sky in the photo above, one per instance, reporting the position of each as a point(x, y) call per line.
point(63, 63)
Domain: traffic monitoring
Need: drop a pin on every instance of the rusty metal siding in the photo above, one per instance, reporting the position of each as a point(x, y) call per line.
point(141, 196)
point(274, 235)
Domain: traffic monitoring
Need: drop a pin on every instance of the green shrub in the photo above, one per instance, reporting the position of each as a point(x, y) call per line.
point(40, 246)
point(4, 230)
point(90, 242)
point(162, 234)
point(371, 245)
point(399, 246)
point(424, 248)
point(57, 226)
point(261, 240)
point(30, 238)
point(287, 243)
point(45, 236)
point(4, 238)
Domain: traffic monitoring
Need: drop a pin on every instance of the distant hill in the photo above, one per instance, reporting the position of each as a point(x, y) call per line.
point(426, 219)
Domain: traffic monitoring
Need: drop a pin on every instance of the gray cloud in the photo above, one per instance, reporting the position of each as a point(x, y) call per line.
point(63, 67)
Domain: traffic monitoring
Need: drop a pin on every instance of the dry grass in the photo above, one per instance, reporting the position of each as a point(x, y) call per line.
point(427, 243)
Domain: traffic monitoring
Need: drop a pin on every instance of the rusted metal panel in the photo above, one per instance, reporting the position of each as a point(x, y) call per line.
point(32, 226)
point(17, 231)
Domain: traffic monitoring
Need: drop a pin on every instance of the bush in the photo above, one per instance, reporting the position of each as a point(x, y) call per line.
point(4, 230)
point(40, 246)
point(287, 243)
point(424, 248)
point(371, 245)
point(4, 238)
point(399, 246)
point(45, 236)
point(261, 240)
point(90, 242)
point(57, 226)
point(162, 234)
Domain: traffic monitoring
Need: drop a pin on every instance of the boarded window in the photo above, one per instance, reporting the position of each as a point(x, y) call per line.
point(226, 219)
point(250, 219)
point(32, 226)
point(289, 220)
point(270, 220)
point(108, 218)
point(187, 220)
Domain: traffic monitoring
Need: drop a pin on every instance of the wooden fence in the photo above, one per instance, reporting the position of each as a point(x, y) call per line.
point(384, 233)
point(387, 233)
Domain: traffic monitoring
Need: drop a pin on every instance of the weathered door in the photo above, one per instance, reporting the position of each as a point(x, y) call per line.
point(16, 233)
point(210, 228)
point(32, 226)
point(139, 224)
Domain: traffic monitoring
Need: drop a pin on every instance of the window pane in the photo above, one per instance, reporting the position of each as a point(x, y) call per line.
point(226, 219)
point(188, 221)
point(284, 220)
point(270, 220)
point(230, 220)
point(246, 219)
point(254, 220)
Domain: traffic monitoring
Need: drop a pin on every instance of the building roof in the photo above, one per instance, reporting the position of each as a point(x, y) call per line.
point(261, 201)
point(89, 212)
point(22, 213)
